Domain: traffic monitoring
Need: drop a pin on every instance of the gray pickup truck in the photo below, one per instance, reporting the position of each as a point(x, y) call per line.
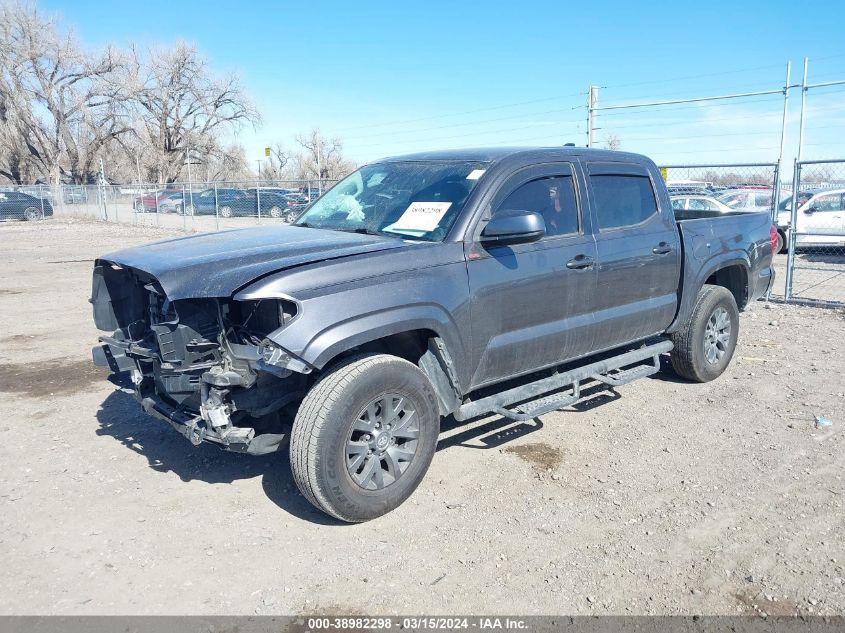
point(458, 283)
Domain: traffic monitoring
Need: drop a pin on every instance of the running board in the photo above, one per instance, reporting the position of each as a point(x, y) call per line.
point(536, 398)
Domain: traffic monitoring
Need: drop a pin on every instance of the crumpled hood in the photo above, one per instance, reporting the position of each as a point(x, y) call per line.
point(218, 264)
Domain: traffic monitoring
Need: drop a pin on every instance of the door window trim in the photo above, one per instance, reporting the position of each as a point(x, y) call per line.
point(523, 176)
point(622, 169)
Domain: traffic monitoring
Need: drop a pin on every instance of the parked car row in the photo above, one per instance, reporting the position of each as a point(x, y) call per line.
point(820, 219)
point(285, 204)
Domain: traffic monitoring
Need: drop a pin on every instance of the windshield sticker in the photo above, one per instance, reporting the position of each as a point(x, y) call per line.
point(475, 174)
point(422, 216)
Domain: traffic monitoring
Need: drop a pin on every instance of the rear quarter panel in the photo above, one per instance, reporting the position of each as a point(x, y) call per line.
point(713, 243)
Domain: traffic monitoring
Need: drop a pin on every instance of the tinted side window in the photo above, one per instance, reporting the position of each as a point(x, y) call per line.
point(828, 202)
point(622, 200)
point(552, 197)
point(763, 200)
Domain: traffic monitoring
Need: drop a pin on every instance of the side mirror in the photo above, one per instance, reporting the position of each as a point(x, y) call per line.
point(811, 210)
point(513, 227)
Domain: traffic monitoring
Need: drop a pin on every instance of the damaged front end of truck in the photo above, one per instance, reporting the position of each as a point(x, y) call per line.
point(208, 366)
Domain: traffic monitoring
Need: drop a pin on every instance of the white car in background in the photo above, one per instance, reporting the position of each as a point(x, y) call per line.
point(820, 221)
point(699, 203)
point(748, 199)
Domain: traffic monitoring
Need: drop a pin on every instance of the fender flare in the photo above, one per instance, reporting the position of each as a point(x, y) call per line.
point(345, 335)
point(719, 262)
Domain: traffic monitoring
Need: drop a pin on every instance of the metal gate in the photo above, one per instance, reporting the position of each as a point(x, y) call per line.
point(815, 229)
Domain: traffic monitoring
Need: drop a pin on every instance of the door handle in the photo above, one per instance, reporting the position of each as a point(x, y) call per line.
point(662, 249)
point(580, 262)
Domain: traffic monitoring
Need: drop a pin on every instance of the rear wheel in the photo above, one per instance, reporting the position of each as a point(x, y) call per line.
point(275, 212)
point(32, 213)
point(364, 437)
point(780, 247)
point(705, 345)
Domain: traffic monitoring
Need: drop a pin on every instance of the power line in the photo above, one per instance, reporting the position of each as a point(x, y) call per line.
point(476, 133)
point(698, 76)
point(687, 106)
point(462, 124)
point(445, 115)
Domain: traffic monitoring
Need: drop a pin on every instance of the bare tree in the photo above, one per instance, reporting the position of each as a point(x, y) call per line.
point(612, 142)
point(322, 158)
point(278, 165)
point(62, 104)
point(181, 107)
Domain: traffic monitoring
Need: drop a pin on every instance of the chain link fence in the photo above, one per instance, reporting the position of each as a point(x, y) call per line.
point(189, 207)
point(814, 227)
point(739, 186)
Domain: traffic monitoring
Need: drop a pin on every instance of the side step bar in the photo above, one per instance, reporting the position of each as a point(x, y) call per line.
point(533, 403)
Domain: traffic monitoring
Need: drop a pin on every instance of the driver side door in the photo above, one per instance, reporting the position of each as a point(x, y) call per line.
point(531, 303)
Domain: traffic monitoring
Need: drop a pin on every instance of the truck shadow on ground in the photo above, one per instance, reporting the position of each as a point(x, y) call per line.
point(166, 451)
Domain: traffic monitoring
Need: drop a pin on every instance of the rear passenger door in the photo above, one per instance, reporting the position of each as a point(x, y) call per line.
point(531, 302)
point(638, 246)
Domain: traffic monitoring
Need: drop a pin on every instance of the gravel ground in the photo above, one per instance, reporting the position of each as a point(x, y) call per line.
point(662, 498)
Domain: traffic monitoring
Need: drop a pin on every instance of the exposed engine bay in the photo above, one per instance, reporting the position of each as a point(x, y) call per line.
point(207, 366)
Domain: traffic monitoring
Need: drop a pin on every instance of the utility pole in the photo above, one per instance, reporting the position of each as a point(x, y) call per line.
point(592, 102)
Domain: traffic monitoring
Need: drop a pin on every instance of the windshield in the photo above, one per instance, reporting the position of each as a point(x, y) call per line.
point(413, 199)
point(803, 196)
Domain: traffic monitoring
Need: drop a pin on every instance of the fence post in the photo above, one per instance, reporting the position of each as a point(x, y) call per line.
point(216, 210)
point(793, 218)
point(41, 198)
point(258, 200)
point(185, 209)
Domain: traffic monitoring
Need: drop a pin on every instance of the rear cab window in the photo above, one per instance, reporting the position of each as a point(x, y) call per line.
point(623, 195)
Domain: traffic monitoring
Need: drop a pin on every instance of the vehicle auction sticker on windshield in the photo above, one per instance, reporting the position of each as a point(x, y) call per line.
point(422, 216)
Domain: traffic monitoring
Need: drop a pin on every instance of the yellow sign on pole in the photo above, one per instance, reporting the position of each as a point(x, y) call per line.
point(664, 172)
point(267, 152)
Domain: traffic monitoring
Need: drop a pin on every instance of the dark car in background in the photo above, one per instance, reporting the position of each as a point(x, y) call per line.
point(229, 203)
point(15, 205)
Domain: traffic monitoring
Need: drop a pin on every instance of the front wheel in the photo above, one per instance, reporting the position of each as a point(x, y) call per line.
point(225, 212)
point(705, 345)
point(364, 437)
point(31, 214)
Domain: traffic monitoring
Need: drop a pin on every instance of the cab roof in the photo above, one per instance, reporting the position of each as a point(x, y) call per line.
point(501, 154)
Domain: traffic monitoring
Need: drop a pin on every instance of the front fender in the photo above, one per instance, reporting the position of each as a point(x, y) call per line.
point(343, 336)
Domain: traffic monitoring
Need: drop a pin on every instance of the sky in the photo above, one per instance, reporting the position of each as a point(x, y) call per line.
point(396, 77)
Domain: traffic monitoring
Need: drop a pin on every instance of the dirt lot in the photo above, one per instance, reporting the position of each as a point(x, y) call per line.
point(665, 497)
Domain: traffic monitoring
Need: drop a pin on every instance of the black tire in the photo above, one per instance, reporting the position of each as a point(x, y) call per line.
point(225, 212)
point(699, 354)
point(330, 417)
point(781, 243)
point(32, 214)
